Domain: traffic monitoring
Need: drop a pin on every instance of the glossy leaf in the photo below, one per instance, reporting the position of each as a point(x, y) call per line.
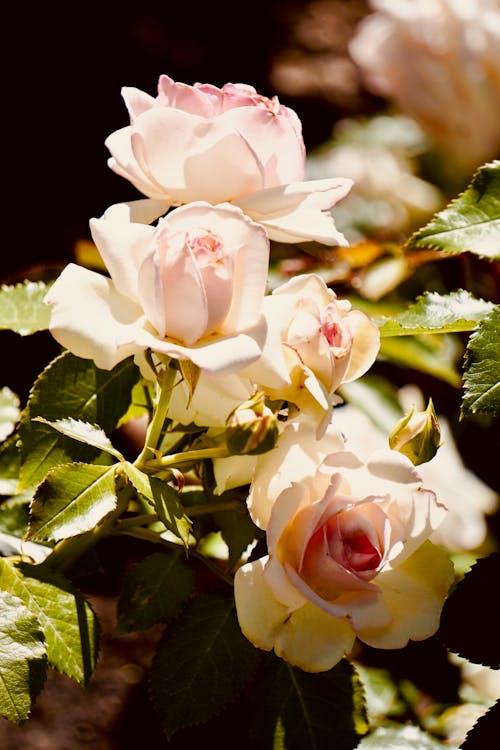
point(72, 499)
point(71, 387)
point(22, 308)
point(22, 658)
point(485, 731)
point(482, 368)
point(202, 664)
point(471, 222)
point(304, 711)
point(154, 590)
point(436, 313)
point(90, 434)
point(66, 619)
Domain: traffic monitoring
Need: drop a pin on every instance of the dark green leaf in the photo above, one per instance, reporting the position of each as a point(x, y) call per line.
point(482, 368)
point(238, 531)
point(14, 515)
point(471, 222)
point(202, 664)
point(154, 591)
point(22, 658)
point(66, 619)
point(437, 313)
point(311, 711)
point(10, 462)
point(470, 622)
point(74, 388)
point(72, 499)
point(485, 732)
point(22, 308)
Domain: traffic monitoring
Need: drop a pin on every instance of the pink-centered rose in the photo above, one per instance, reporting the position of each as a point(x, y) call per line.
point(315, 342)
point(348, 557)
point(190, 288)
point(231, 144)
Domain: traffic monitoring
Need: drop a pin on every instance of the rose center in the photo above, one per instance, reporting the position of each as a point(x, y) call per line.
point(360, 553)
point(207, 247)
point(334, 330)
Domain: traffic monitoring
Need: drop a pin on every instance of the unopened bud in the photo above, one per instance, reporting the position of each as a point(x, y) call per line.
point(417, 435)
point(252, 427)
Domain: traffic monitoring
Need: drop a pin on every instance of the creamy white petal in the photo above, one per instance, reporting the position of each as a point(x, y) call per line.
point(414, 593)
point(142, 211)
point(91, 319)
point(123, 247)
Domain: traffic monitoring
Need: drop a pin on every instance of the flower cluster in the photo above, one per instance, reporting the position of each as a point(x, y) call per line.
point(222, 169)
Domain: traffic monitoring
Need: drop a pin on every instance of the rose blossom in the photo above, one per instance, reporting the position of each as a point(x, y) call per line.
point(200, 142)
point(189, 288)
point(348, 557)
point(314, 343)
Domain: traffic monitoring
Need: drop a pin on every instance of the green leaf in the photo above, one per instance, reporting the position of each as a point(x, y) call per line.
point(74, 388)
point(436, 313)
point(66, 619)
point(400, 738)
point(22, 658)
point(470, 622)
point(9, 412)
point(310, 711)
point(482, 368)
point(471, 222)
point(238, 531)
point(154, 591)
point(433, 354)
point(22, 308)
point(91, 434)
point(14, 515)
point(164, 499)
point(10, 463)
point(72, 499)
point(202, 664)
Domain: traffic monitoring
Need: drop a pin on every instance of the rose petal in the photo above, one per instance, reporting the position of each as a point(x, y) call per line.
point(179, 151)
point(366, 345)
point(123, 163)
point(312, 640)
point(295, 457)
point(295, 212)
point(414, 593)
point(220, 356)
point(123, 247)
point(142, 211)
point(91, 319)
point(260, 615)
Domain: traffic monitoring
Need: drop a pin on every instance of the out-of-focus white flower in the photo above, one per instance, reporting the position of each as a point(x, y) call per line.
point(439, 61)
point(9, 412)
point(467, 498)
point(387, 196)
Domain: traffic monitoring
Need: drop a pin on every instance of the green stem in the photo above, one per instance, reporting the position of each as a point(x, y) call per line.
point(142, 520)
point(154, 465)
point(67, 551)
point(153, 435)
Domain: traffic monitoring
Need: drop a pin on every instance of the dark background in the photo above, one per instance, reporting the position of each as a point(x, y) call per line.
point(64, 68)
